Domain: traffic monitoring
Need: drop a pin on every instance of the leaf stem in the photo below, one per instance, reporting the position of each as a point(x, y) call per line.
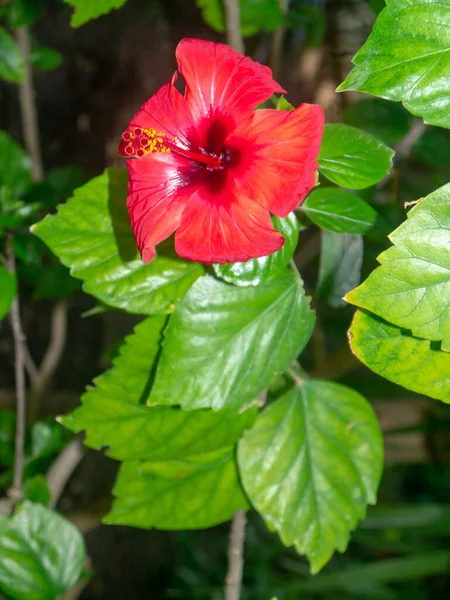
point(232, 17)
point(233, 579)
point(19, 360)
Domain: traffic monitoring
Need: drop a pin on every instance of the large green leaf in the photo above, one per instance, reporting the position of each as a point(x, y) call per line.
point(353, 158)
point(92, 235)
point(407, 58)
point(257, 270)
point(339, 211)
point(255, 15)
point(112, 415)
point(399, 357)
point(7, 290)
point(41, 554)
point(192, 493)
point(12, 66)
point(341, 256)
point(14, 167)
point(86, 10)
point(311, 464)
point(224, 344)
point(411, 288)
point(386, 120)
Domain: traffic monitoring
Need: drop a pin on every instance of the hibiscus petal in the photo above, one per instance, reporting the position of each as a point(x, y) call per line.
point(220, 81)
point(159, 187)
point(217, 228)
point(167, 112)
point(275, 156)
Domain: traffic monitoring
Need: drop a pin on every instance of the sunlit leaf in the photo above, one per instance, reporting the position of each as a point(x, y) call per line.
point(353, 158)
point(193, 493)
point(257, 270)
point(407, 58)
point(86, 10)
point(311, 464)
point(41, 554)
point(411, 288)
point(92, 235)
point(113, 416)
point(224, 344)
point(399, 357)
point(339, 211)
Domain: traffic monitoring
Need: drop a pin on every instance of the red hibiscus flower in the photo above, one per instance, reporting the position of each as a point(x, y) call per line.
point(210, 167)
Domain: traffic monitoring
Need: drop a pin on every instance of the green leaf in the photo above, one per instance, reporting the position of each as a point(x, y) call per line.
point(54, 282)
point(86, 10)
point(255, 15)
point(14, 168)
point(64, 180)
point(258, 270)
point(36, 490)
point(341, 259)
point(433, 148)
point(353, 158)
point(24, 12)
point(311, 464)
point(8, 290)
point(91, 235)
point(41, 554)
point(12, 66)
point(7, 435)
point(400, 357)
point(113, 416)
point(411, 288)
point(46, 58)
point(386, 120)
point(193, 493)
point(407, 58)
point(339, 211)
point(224, 344)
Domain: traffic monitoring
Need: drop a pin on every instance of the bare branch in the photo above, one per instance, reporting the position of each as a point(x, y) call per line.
point(28, 112)
point(19, 359)
point(62, 469)
point(234, 35)
point(235, 556)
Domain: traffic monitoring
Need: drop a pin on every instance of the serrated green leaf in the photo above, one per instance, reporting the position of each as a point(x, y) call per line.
point(411, 288)
point(12, 66)
point(45, 58)
point(194, 493)
point(341, 257)
point(311, 464)
point(385, 120)
point(8, 290)
point(36, 490)
point(112, 415)
point(258, 270)
point(353, 158)
point(255, 15)
point(400, 357)
point(224, 344)
point(41, 554)
point(14, 168)
point(86, 10)
point(92, 235)
point(339, 211)
point(407, 58)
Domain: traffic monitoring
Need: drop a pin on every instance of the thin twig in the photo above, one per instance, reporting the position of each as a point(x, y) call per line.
point(233, 21)
point(235, 556)
point(404, 148)
point(276, 52)
point(28, 111)
point(62, 469)
point(42, 377)
point(19, 361)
